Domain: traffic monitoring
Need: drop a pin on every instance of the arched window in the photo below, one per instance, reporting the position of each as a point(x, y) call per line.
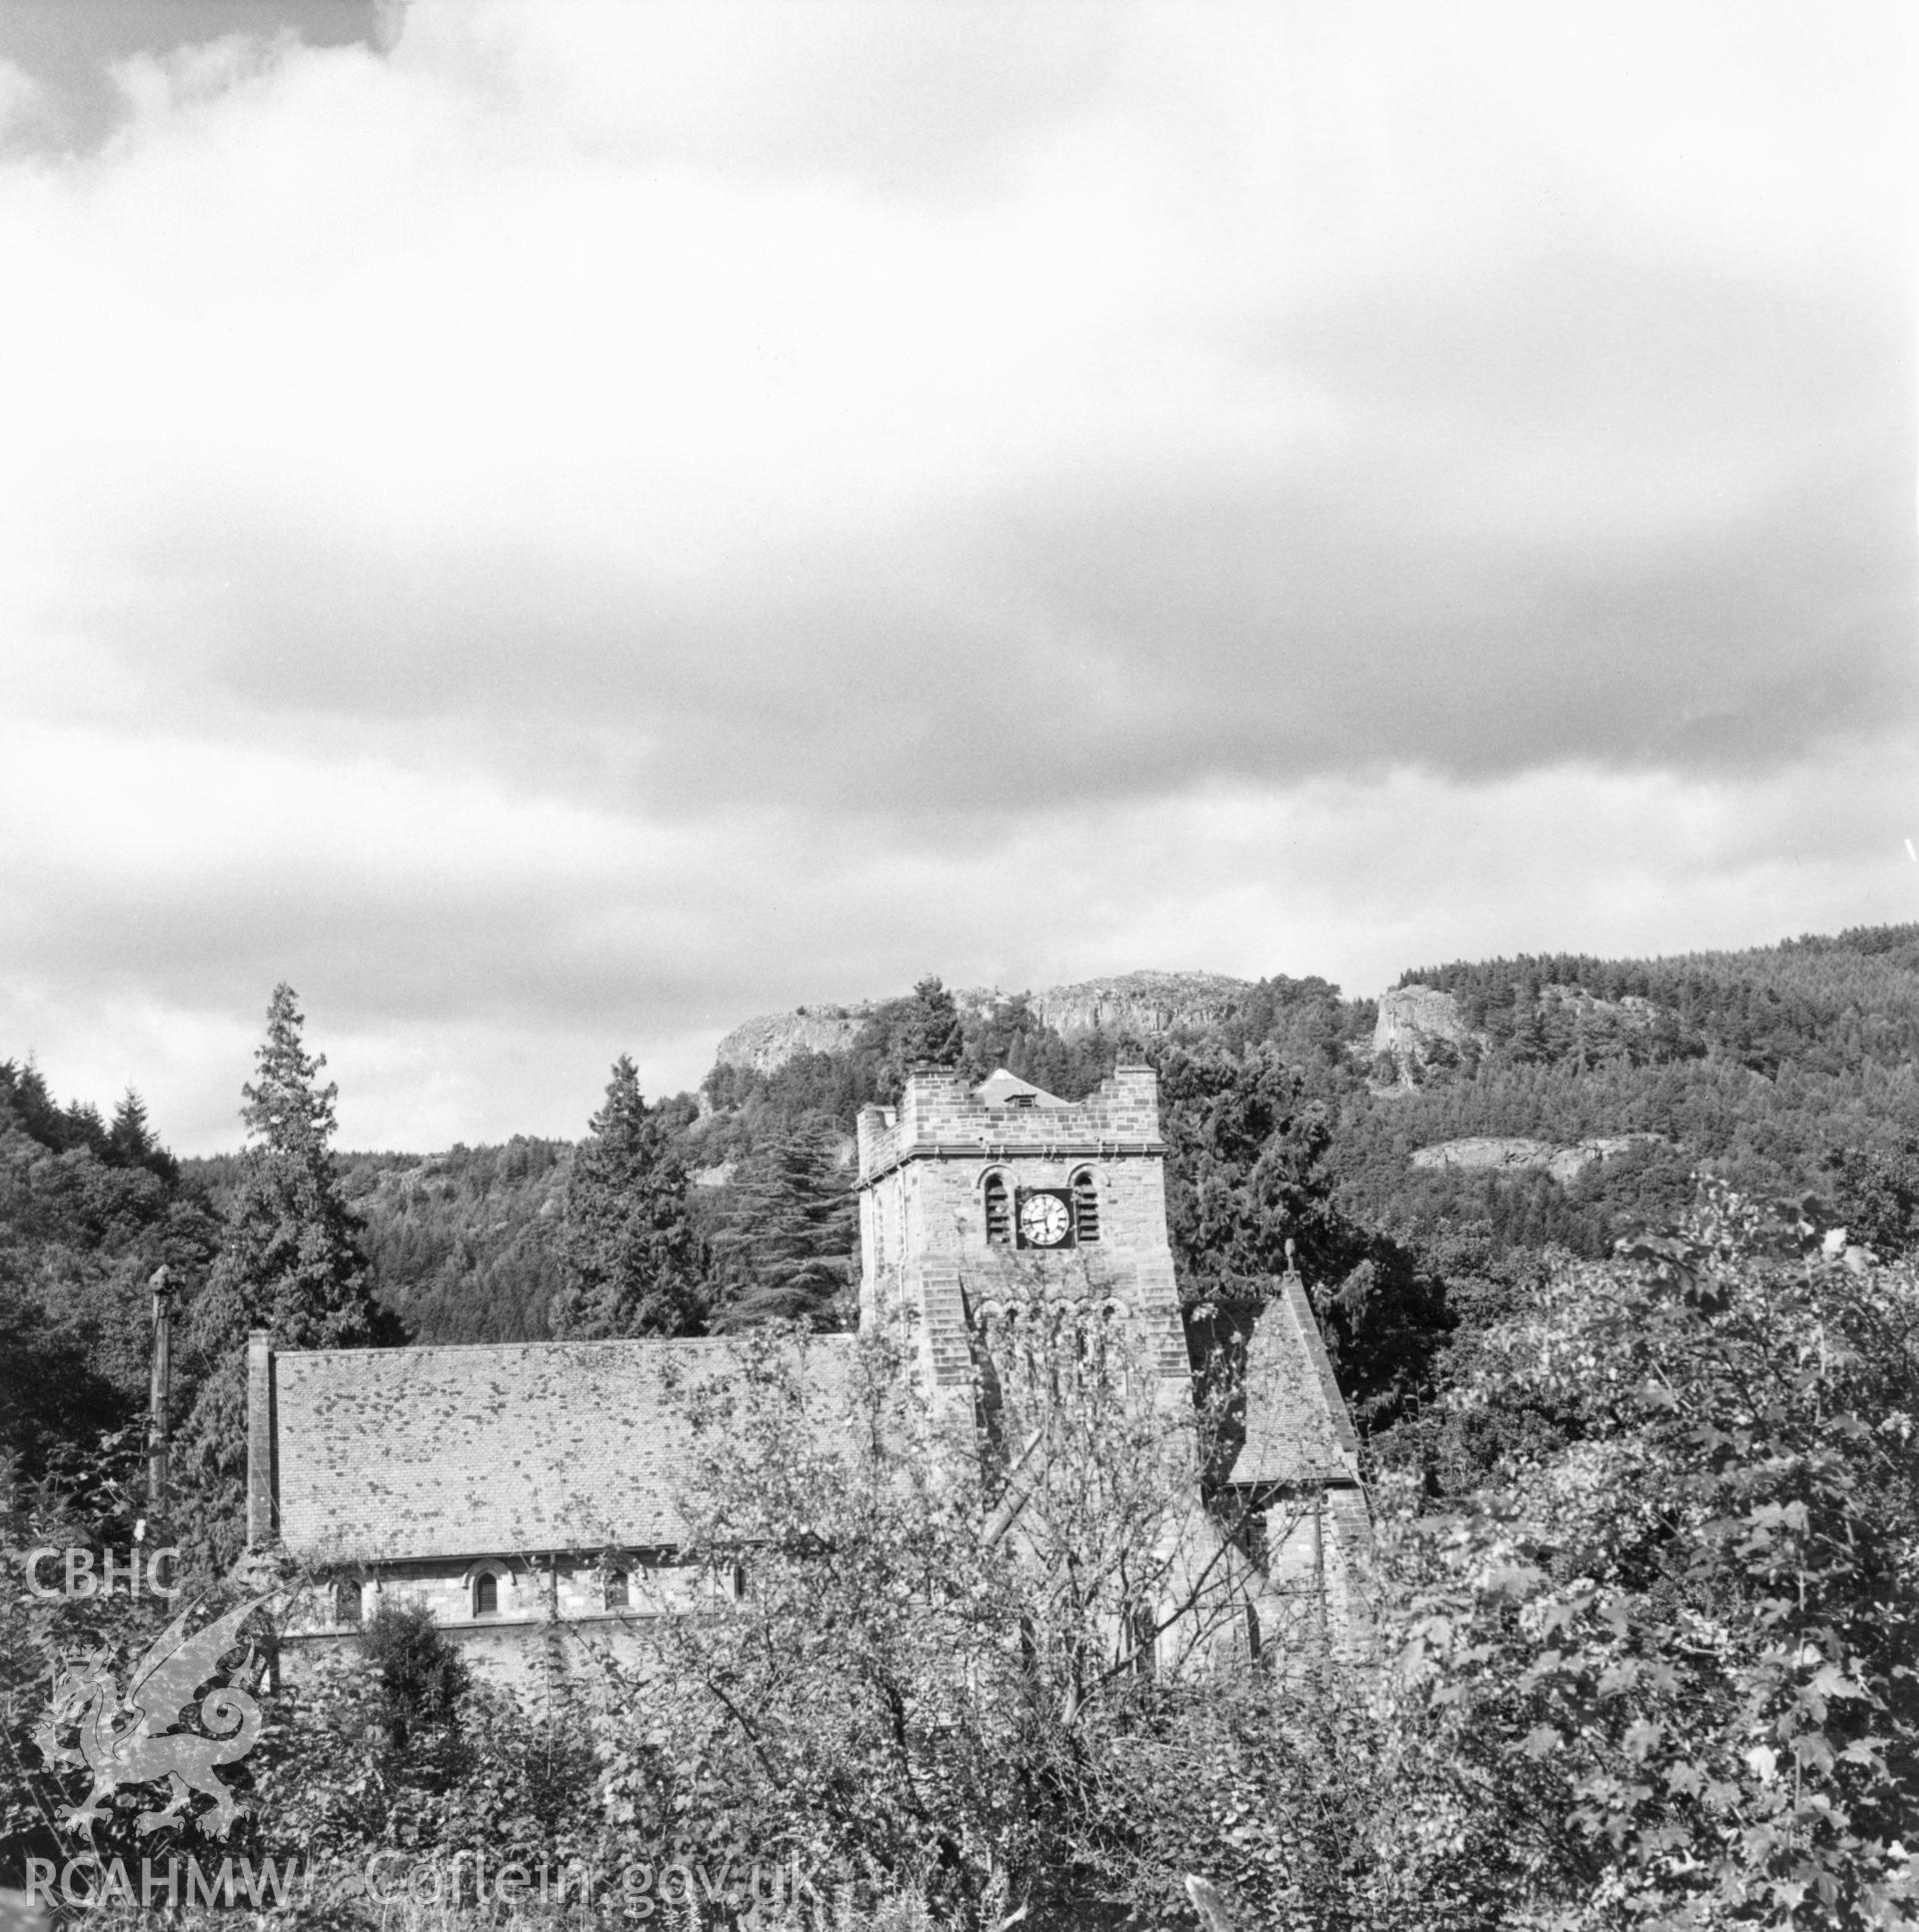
point(998, 1210)
point(486, 1594)
point(1086, 1208)
point(615, 1589)
point(346, 1603)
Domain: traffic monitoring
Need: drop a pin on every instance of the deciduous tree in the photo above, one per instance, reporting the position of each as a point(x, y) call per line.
point(947, 1669)
point(1660, 1656)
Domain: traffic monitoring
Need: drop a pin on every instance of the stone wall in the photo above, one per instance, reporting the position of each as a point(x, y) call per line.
point(540, 1601)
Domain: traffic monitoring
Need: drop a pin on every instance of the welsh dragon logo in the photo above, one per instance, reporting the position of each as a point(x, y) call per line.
point(138, 1739)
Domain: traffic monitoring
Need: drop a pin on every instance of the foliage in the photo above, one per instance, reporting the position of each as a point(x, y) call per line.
point(420, 1676)
point(1758, 1066)
point(97, 1505)
point(1305, 1023)
point(1248, 1193)
point(632, 1267)
point(785, 1248)
point(941, 1660)
point(464, 1246)
point(81, 1232)
point(87, 1213)
point(290, 1262)
point(1660, 1632)
point(930, 1034)
point(1875, 1194)
point(390, 1744)
point(1245, 1158)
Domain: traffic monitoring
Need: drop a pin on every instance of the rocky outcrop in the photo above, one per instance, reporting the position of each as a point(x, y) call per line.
point(1630, 1013)
point(1140, 1004)
point(1412, 1017)
point(1565, 1163)
point(1485, 1150)
point(767, 1043)
point(1143, 1004)
point(1568, 1163)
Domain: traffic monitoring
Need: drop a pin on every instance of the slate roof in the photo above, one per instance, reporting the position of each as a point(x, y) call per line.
point(1296, 1427)
point(1000, 1086)
point(493, 1450)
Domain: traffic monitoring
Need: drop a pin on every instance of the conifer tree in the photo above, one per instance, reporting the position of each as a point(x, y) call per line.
point(632, 1265)
point(1526, 1044)
point(130, 1140)
point(787, 1246)
point(933, 1032)
point(290, 1262)
point(923, 1030)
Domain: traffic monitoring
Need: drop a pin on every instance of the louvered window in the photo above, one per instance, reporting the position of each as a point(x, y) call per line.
point(998, 1210)
point(1085, 1210)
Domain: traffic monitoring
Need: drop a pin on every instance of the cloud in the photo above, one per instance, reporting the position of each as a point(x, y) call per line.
point(576, 523)
point(472, 957)
point(411, 396)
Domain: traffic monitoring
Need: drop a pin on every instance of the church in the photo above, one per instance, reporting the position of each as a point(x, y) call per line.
point(525, 1492)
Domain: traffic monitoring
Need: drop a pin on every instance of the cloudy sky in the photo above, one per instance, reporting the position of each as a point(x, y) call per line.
point(556, 527)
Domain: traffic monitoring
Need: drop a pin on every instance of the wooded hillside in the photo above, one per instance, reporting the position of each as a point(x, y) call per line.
point(1783, 1068)
point(1787, 1067)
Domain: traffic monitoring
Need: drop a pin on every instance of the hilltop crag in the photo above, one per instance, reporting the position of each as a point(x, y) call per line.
point(1412, 1017)
point(1140, 1004)
point(764, 1045)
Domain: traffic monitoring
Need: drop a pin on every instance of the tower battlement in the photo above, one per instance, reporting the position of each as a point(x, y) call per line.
point(942, 1117)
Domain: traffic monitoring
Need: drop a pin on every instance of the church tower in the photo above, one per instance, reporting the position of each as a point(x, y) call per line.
point(977, 1202)
point(970, 1194)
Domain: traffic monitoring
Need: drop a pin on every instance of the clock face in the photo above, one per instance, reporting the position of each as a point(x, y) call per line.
point(1044, 1220)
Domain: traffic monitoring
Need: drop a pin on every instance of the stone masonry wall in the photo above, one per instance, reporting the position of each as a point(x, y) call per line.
point(924, 1253)
point(537, 1603)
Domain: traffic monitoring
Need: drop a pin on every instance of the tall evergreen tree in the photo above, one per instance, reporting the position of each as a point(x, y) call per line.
point(787, 1243)
point(290, 1262)
point(632, 1267)
point(923, 1030)
point(933, 1032)
point(130, 1140)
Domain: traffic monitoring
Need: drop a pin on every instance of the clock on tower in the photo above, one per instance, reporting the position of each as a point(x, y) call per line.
point(1044, 1218)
